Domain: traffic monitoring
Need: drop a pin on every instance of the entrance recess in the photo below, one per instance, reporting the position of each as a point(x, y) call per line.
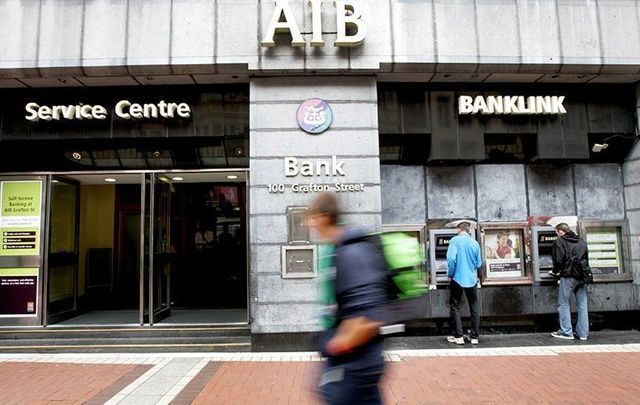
point(145, 248)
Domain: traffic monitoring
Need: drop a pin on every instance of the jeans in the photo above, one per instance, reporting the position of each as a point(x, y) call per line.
point(354, 387)
point(455, 298)
point(567, 287)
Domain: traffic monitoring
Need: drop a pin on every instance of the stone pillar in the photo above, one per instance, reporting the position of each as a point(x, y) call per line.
point(631, 176)
point(281, 305)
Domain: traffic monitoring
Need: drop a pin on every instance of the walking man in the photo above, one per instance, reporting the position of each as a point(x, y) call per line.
point(463, 262)
point(355, 298)
point(565, 248)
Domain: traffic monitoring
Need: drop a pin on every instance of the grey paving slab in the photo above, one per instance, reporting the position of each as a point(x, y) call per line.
point(140, 400)
point(177, 368)
point(156, 385)
point(513, 340)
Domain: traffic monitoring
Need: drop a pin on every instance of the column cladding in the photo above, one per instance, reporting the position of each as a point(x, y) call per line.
point(290, 305)
point(631, 177)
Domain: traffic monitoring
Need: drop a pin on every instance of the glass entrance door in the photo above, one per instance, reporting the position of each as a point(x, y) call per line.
point(62, 280)
point(158, 249)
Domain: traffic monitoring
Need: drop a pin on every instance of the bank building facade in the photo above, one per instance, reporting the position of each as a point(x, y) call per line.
point(157, 158)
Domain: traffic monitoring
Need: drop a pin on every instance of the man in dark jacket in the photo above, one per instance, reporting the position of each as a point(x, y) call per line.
point(351, 343)
point(566, 247)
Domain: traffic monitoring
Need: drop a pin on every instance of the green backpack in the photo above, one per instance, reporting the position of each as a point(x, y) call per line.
point(405, 263)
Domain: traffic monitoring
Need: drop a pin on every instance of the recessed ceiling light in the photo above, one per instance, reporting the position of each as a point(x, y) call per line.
point(110, 180)
point(177, 178)
point(232, 177)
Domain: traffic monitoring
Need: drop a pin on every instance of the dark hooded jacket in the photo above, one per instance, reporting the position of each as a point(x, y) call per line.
point(564, 248)
point(361, 290)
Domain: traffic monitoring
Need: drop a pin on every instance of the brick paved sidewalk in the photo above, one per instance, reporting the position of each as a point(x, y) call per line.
point(532, 375)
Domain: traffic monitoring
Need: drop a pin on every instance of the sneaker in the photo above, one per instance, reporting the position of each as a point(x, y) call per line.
point(456, 340)
point(561, 335)
point(474, 341)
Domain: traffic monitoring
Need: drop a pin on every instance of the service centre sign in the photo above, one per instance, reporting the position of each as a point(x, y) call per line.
point(123, 109)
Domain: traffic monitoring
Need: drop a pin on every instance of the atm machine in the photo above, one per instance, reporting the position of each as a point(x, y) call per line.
point(438, 244)
point(542, 239)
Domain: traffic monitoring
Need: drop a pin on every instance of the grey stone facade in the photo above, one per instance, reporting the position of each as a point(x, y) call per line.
point(631, 176)
point(76, 43)
point(559, 41)
point(289, 305)
point(504, 193)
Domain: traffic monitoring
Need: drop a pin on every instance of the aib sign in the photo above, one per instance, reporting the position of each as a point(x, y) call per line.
point(314, 116)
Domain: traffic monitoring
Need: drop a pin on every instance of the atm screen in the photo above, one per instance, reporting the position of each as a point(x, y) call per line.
point(545, 244)
point(442, 244)
point(546, 238)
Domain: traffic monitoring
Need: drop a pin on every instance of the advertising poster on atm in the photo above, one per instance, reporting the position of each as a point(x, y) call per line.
point(503, 253)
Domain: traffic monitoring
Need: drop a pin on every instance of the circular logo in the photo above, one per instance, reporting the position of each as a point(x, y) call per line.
point(314, 116)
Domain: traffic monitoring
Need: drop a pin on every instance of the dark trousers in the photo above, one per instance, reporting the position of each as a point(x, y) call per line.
point(354, 387)
point(455, 298)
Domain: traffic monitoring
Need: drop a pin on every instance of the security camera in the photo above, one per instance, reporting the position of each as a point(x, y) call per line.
point(599, 147)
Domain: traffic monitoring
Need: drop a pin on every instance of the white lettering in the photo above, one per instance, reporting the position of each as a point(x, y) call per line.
point(316, 23)
point(465, 105)
point(69, 111)
point(122, 104)
point(557, 107)
point(45, 113)
point(85, 112)
point(56, 110)
point(183, 110)
point(509, 104)
point(124, 109)
point(135, 110)
point(348, 17)
point(150, 111)
point(306, 169)
point(32, 112)
point(519, 105)
point(99, 112)
point(290, 166)
point(543, 104)
point(479, 106)
point(171, 109)
point(283, 21)
point(337, 166)
point(494, 105)
point(162, 105)
point(293, 167)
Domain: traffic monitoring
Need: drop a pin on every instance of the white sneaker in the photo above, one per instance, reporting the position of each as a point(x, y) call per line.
point(560, 335)
point(474, 341)
point(456, 340)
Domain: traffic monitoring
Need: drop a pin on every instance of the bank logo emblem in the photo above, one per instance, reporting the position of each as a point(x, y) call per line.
point(314, 116)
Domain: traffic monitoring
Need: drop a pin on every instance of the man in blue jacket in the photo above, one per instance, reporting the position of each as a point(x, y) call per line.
point(357, 296)
point(463, 261)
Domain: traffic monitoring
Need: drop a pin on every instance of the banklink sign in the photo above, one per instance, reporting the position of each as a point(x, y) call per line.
point(511, 105)
point(348, 18)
